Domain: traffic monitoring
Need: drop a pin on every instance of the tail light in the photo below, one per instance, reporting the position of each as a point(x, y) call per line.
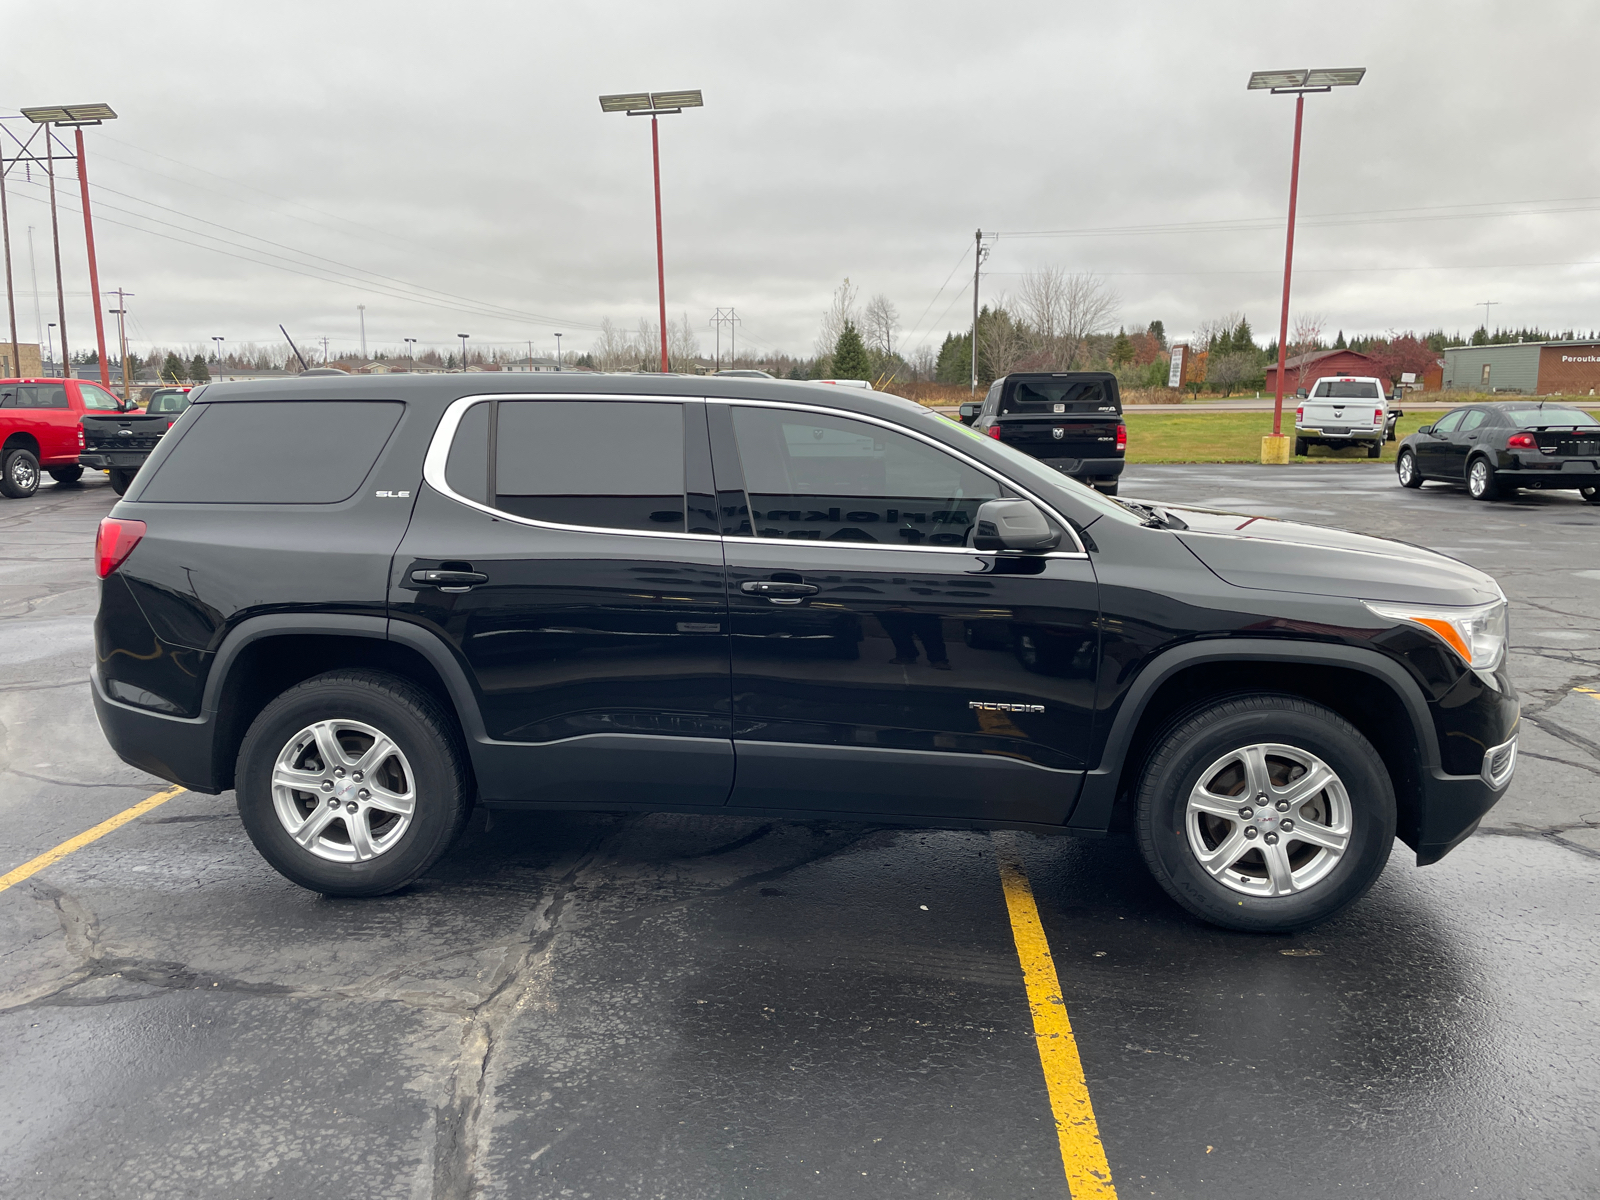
point(81, 442)
point(1377, 416)
point(1122, 437)
point(114, 543)
point(1521, 441)
point(1300, 415)
point(994, 432)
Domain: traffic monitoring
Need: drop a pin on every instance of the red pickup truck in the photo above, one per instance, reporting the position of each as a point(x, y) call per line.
point(41, 428)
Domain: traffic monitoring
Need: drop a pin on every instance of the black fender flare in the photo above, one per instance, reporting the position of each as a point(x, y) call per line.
point(1092, 813)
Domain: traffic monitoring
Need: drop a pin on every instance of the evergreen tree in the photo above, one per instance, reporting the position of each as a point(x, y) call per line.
point(955, 359)
point(1244, 337)
point(1221, 343)
point(197, 370)
point(1122, 349)
point(796, 373)
point(1158, 330)
point(850, 359)
point(1339, 342)
point(171, 368)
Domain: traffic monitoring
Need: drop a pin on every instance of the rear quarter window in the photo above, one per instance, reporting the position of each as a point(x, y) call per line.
point(274, 452)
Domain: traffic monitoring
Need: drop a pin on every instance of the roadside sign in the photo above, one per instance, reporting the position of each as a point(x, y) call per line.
point(1175, 372)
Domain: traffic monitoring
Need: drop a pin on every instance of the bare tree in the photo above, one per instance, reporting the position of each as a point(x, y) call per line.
point(842, 309)
point(1063, 309)
point(1228, 371)
point(1208, 334)
point(647, 345)
point(882, 321)
point(683, 345)
point(1004, 343)
point(613, 350)
point(1307, 335)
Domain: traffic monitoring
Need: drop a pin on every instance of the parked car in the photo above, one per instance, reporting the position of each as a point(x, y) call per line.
point(1070, 420)
point(119, 443)
point(1499, 447)
point(1343, 412)
point(603, 592)
point(41, 428)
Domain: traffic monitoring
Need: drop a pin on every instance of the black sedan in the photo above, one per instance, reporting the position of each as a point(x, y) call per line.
point(1496, 448)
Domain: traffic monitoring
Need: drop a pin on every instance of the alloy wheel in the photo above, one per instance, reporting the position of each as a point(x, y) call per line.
point(1268, 820)
point(1478, 478)
point(343, 790)
point(1406, 469)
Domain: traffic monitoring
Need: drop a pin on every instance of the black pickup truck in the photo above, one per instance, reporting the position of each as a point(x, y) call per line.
point(118, 443)
point(1069, 420)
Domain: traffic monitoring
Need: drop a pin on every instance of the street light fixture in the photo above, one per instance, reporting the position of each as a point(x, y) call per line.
point(463, 338)
point(653, 105)
point(411, 351)
point(75, 117)
point(1297, 84)
point(219, 342)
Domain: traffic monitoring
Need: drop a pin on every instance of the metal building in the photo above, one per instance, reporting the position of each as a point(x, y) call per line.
point(1525, 368)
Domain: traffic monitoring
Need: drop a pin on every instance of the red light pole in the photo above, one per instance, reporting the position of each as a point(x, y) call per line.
point(75, 117)
point(1275, 450)
point(653, 105)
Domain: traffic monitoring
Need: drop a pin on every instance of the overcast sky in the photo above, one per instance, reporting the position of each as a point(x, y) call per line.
point(460, 149)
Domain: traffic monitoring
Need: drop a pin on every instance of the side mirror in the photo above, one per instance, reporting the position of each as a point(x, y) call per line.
point(1426, 429)
point(969, 412)
point(1013, 525)
point(1300, 394)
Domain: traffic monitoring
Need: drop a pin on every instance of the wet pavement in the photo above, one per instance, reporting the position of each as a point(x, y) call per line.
point(664, 1006)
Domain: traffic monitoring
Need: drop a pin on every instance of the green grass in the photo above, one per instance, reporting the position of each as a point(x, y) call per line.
point(1201, 437)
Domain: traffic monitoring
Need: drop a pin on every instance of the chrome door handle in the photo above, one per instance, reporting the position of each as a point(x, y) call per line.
point(779, 591)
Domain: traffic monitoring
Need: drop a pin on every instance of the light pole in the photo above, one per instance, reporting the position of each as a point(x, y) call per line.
point(411, 351)
point(75, 117)
point(653, 105)
point(218, 341)
point(463, 338)
point(558, 350)
point(1275, 450)
point(50, 343)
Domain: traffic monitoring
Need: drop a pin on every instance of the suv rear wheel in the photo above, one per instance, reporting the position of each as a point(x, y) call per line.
point(352, 783)
point(1265, 813)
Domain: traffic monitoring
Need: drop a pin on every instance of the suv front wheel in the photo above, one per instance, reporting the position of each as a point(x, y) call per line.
point(352, 783)
point(1265, 813)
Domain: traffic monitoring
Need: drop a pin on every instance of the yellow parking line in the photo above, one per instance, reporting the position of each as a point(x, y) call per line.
point(33, 866)
point(1082, 1155)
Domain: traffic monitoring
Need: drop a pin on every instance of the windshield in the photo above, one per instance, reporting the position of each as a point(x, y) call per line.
point(1533, 418)
point(1054, 395)
point(1345, 389)
point(1026, 469)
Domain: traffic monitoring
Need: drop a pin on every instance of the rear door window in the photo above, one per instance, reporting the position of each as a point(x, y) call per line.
point(610, 464)
point(275, 452)
point(826, 478)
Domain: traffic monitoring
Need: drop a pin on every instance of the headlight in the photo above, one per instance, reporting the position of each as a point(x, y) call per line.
point(1478, 634)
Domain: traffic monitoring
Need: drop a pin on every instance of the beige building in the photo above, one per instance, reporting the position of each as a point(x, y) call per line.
point(28, 353)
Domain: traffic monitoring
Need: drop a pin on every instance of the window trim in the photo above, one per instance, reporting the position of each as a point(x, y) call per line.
point(433, 466)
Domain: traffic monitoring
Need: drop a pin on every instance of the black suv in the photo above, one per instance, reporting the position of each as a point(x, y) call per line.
point(1497, 448)
point(1069, 420)
point(738, 596)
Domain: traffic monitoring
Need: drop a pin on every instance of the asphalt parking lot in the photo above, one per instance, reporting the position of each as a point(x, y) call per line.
point(661, 1006)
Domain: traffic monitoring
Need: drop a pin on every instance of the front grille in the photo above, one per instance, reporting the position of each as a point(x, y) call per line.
point(1498, 764)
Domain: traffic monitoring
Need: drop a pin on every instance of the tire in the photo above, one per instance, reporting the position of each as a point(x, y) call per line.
point(1300, 447)
point(1591, 494)
point(1108, 489)
point(1405, 469)
point(19, 474)
point(66, 475)
point(1481, 481)
point(352, 706)
point(120, 479)
point(1374, 450)
point(1308, 883)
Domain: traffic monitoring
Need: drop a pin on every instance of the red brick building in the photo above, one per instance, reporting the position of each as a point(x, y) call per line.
point(1303, 370)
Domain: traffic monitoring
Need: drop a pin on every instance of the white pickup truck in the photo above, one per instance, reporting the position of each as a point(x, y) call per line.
point(1347, 410)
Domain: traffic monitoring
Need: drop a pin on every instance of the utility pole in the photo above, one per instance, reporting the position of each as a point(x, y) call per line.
point(1486, 305)
point(122, 339)
point(362, 310)
point(979, 253)
point(324, 351)
point(11, 297)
